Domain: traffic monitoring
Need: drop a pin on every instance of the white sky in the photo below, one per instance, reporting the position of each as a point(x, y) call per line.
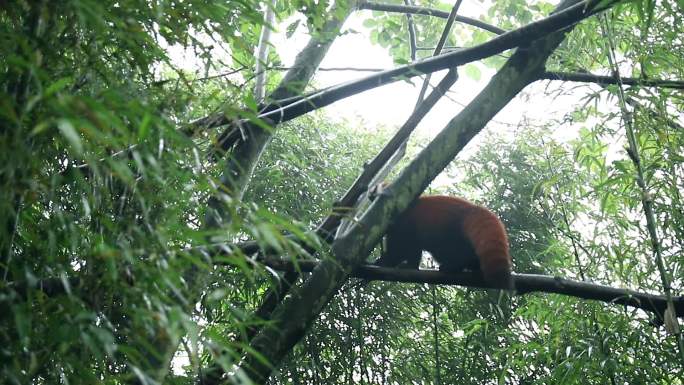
point(391, 104)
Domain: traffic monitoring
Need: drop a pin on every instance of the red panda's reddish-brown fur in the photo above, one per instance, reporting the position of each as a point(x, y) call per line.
point(458, 234)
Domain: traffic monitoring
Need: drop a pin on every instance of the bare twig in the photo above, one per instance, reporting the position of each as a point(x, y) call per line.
point(412, 32)
point(440, 44)
point(607, 80)
point(524, 284)
point(416, 10)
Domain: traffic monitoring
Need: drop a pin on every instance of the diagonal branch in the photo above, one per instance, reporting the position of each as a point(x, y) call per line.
point(288, 107)
point(329, 224)
point(440, 45)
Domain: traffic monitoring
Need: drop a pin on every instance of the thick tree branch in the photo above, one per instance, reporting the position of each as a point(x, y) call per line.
point(524, 283)
point(330, 223)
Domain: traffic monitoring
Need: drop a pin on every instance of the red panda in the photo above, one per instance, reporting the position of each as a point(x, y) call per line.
point(458, 234)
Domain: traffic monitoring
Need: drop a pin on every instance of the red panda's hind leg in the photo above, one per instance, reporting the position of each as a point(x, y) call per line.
point(457, 262)
point(454, 252)
point(401, 247)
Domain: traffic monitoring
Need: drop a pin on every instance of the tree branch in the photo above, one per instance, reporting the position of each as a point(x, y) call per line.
point(411, 32)
point(440, 45)
point(360, 185)
point(524, 284)
point(416, 10)
point(330, 223)
point(607, 80)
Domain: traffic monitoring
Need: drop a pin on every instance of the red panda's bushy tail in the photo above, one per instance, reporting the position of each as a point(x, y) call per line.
point(488, 237)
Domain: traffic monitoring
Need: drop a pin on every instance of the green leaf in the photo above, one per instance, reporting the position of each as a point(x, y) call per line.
point(370, 23)
point(144, 127)
point(473, 71)
point(292, 28)
point(57, 86)
point(70, 134)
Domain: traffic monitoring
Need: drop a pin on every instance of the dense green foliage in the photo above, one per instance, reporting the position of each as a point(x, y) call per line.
point(103, 195)
point(386, 332)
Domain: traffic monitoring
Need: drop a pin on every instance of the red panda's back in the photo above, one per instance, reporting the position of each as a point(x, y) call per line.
point(460, 235)
point(438, 225)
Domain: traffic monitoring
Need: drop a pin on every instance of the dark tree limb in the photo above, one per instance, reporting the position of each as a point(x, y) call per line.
point(608, 80)
point(524, 284)
point(521, 36)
